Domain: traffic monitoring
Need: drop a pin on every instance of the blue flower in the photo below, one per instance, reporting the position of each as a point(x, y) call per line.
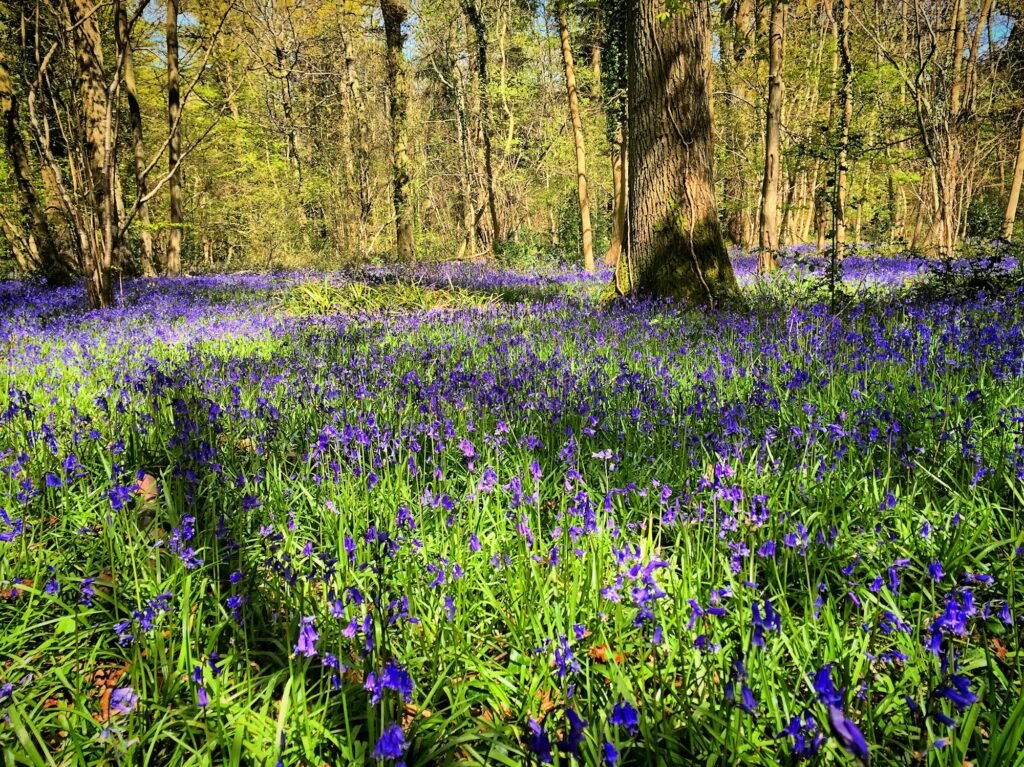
point(570, 744)
point(539, 742)
point(392, 677)
point(958, 691)
point(823, 686)
point(625, 716)
point(123, 700)
point(307, 638)
point(611, 754)
point(391, 744)
point(847, 733)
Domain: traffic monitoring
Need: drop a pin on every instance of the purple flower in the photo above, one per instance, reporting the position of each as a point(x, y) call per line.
point(611, 754)
point(307, 638)
point(391, 744)
point(123, 700)
point(847, 733)
point(625, 716)
point(539, 742)
point(958, 691)
point(392, 677)
point(570, 744)
point(826, 690)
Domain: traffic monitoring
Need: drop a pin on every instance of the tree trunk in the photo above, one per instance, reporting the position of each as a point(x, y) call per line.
point(768, 231)
point(138, 148)
point(468, 246)
point(675, 246)
point(586, 231)
point(395, 13)
point(476, 21)
point(177, 214)
point(845, 118)
point(360, 137)
point(98, 246)
point(786, 227)
point(1018, 176)
point(736, 38)
point(620, 186)
point(39, 254)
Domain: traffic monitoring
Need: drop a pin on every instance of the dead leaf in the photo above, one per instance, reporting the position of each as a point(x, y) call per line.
point(146, 489)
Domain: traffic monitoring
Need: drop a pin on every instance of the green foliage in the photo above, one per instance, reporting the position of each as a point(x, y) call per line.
point(326, 298)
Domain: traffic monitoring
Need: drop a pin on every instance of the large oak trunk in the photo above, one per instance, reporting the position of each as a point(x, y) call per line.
point(675, 246)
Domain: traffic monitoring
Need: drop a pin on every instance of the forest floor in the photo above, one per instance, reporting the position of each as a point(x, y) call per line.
point(467, 516)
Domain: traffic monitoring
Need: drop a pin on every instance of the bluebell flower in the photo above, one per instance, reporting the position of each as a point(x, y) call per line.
point(958, 691)
point(123, 700)
point(391, 745)
point(307, 638)
point(391, 677)
point(574, 735)
point(625, 716)
point(847, 733)
point(538, 742)
point(611, 754)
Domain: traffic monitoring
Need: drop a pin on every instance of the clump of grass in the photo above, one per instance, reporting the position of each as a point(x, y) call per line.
point(320, 298)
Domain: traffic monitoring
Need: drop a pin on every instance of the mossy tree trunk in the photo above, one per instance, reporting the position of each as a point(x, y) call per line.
point(395, 14)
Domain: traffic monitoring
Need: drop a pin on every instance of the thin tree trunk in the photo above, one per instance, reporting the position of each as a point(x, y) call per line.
point(476, 21)
point(768, 231)
point(785, 228)
point(395, 14)
point(845, 118)
point(39, 252)
point(466, 146)
point(620, 197)
point(138, 147)
point(177, 215)
point(98, 247)
point(1014, 199)
point(586, 231)
point(675, 246)
point(736, 38)
point(356, 110)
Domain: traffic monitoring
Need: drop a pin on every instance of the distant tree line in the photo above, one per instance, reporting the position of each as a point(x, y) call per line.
point(142, 137)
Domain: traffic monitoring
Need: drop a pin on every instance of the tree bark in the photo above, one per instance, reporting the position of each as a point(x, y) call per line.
point(586, 230)
point(98, 244)
point(359, 136)
point(476, 21)
point(845, 118)
point(736, 39)
point(675, 246)
point(138, 147)
point(1014, 199)
point(620, 197)
point(177, 215)
point(395, 13)
point(768, 229)
point(39, 254)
